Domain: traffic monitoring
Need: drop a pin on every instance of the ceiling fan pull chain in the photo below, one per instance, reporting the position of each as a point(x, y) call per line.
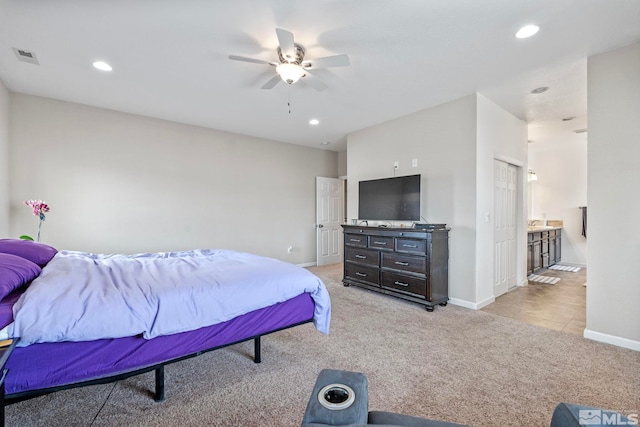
point(289, 98)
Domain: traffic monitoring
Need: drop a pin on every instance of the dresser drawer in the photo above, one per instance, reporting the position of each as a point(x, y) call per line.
point(381, 242)
point(355, 240)
point(395, 261)
point(399, 282)
point(362, 273)
point(362, 256)
point(411, 245)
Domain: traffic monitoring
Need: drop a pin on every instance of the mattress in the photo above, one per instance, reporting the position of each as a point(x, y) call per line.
point(49, 365)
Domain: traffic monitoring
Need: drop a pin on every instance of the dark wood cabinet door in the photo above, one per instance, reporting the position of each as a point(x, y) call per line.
point(537, 255)
point(529, 259)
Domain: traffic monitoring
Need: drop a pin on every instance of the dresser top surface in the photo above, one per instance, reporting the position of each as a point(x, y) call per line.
point(393, 231)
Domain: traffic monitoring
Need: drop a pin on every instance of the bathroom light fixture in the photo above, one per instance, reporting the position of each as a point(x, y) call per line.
point(527, 31)
point(100, 65)
point(532, 176)
point(290, 72)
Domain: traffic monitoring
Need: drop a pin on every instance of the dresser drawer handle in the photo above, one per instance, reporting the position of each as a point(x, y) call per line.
point(361, 256)
point(401, 284)
point(380, 243)
point(355, 240)
point(360, 274)
point(409, 246)
point(402, 263)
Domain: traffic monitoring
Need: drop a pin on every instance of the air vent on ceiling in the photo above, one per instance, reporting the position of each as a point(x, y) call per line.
point(26, 56)
point(580, 130)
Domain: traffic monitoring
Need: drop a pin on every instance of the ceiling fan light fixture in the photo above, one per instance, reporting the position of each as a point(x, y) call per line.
point(290, 73)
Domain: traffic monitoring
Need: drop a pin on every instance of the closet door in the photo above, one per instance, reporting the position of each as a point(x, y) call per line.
point(504, 233)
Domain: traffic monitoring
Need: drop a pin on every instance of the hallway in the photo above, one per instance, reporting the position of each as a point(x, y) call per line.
point(561, 306)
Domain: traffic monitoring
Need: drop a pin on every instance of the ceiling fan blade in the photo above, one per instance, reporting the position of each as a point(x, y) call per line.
point(255, 61)
point(285, 39)
point(326, 62)
point(272, 82)
point(314, 82)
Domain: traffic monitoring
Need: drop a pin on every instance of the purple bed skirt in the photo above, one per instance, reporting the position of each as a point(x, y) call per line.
point(41, 366)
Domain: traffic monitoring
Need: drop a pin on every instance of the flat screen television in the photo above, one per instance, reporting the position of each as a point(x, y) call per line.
point(390, 199)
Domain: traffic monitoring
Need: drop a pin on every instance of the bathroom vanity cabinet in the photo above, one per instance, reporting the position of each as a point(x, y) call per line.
point(544, 248)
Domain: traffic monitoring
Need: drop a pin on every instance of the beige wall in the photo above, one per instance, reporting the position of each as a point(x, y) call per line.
point(4, 160)
point(442, 138)
point(455, 144)
point(500, 136)
point(342, 163)
point(613, 292)
point(118, 182)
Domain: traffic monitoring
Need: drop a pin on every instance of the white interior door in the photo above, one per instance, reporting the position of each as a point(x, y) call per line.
point(504, 235)
point(329, 216)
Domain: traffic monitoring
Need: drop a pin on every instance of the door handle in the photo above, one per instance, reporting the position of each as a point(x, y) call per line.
point(320, 226)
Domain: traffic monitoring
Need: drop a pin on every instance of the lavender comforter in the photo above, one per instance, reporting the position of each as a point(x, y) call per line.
point(81, 296)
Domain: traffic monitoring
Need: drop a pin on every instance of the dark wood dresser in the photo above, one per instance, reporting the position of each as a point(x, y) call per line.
point(408, 263)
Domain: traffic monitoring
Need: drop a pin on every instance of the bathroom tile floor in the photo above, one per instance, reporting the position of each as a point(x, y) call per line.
point(561, 306)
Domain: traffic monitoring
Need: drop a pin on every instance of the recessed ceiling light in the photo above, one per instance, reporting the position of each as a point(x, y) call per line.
point(314, 121)
point(324, 143)
point(540, 89)
point(100, 65)
point(527, 31)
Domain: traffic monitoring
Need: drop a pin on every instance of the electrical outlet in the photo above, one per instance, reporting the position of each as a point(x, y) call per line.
point(414, 163)
point(396, 165)
point(290, 249)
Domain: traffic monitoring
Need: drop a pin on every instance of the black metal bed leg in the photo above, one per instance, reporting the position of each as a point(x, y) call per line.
point(2, 401)
point(159, 397)
point(257, 357)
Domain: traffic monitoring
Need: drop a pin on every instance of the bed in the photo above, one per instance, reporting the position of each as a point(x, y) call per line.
point(38, 284)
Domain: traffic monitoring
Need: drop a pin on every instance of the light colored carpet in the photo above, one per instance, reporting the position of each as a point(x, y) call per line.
point(454, 364)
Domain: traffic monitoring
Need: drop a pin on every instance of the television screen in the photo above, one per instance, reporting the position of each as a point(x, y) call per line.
point(389, 199)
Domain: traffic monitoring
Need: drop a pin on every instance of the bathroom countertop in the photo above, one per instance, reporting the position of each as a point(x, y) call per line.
point(536, 228)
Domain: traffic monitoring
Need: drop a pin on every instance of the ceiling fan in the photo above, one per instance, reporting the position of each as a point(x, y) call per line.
point(292, 66)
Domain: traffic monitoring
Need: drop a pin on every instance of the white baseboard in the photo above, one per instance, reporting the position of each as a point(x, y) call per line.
point(307, 264)
point(471, 305)
point(612, 339)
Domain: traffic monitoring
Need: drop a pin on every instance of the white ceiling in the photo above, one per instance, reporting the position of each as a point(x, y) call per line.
point(170, 59)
